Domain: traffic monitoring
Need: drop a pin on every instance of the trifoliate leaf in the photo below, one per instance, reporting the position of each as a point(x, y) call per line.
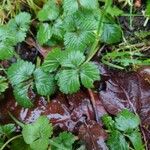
point(136, 140)
point(80, 30)
point(111, 33)
point(68, 81)
point(7, 129)
point(21, 92)
point(116, 141)
point(65, 140)
point(37, 134)
point(44, 82)
point(19, 25)
point(19, 143)
point(52, 61)
point(3, 84)
point(44, 33)
point(127, 121)
point(89, 73)
point(72, 59)
point(50, 11)
point(20, 72)
point(6, 51)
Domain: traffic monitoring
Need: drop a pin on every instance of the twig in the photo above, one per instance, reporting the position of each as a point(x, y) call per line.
point(93, 104)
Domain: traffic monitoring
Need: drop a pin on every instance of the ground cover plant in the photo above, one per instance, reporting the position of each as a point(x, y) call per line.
point(74, 75)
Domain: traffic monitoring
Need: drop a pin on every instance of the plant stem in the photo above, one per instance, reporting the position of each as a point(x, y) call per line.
point(16, 121)
point(95, 47)
point(13, 138)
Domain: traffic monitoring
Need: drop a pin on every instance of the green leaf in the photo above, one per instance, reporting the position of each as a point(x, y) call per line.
point(108, 122)
point(88, 4)
point(136, 140)
point(111, 33)
point(80, 30)
point(19, 25)
point(116, 141)
point(78, 40)
point(65, 140)
point(20, 71)
point(7, 129)
point(19, 143)
point(3, 84)
point(52, 61)
point(68, 81)
point(72, 59)
point(126, 121)
point(44, 82)
point(44, 33)
point(50, 11)
point(147, 11)
point(6, 51)
point(21, 95)
point(20, 76)
point(57, 28)
point(112, 10)
point(72, 6)
point(37, 134)
point(89, 73)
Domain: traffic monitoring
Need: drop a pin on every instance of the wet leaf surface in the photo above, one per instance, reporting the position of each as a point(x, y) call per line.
point(76, 112)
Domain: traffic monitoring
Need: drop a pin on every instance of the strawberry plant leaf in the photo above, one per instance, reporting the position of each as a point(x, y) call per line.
point(3, 84)
point(50, 11)
point(6, 51)
point(44, 33)
point(20, 72)
point(116, 141)
point(65, 140)
point(57, 28)
point(19, 143)
point(111, 33)
point(52, 61)
point(88, 4)
point(108, 122)
point(21, 95)
point(126, 121)
point(37, 134)
point(68, 81)
point(19, 25)
point(72, 6)
point(7, 129)
point(89, 73)
point(20, 76)
point(44, 82)
point(72, 59)
point(135, 138)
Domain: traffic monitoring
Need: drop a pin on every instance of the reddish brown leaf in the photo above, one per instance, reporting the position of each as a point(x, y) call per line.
point(127, 90)
point(93, 135)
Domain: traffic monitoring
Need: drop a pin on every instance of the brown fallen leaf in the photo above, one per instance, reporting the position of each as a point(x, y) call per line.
point(93, 135)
